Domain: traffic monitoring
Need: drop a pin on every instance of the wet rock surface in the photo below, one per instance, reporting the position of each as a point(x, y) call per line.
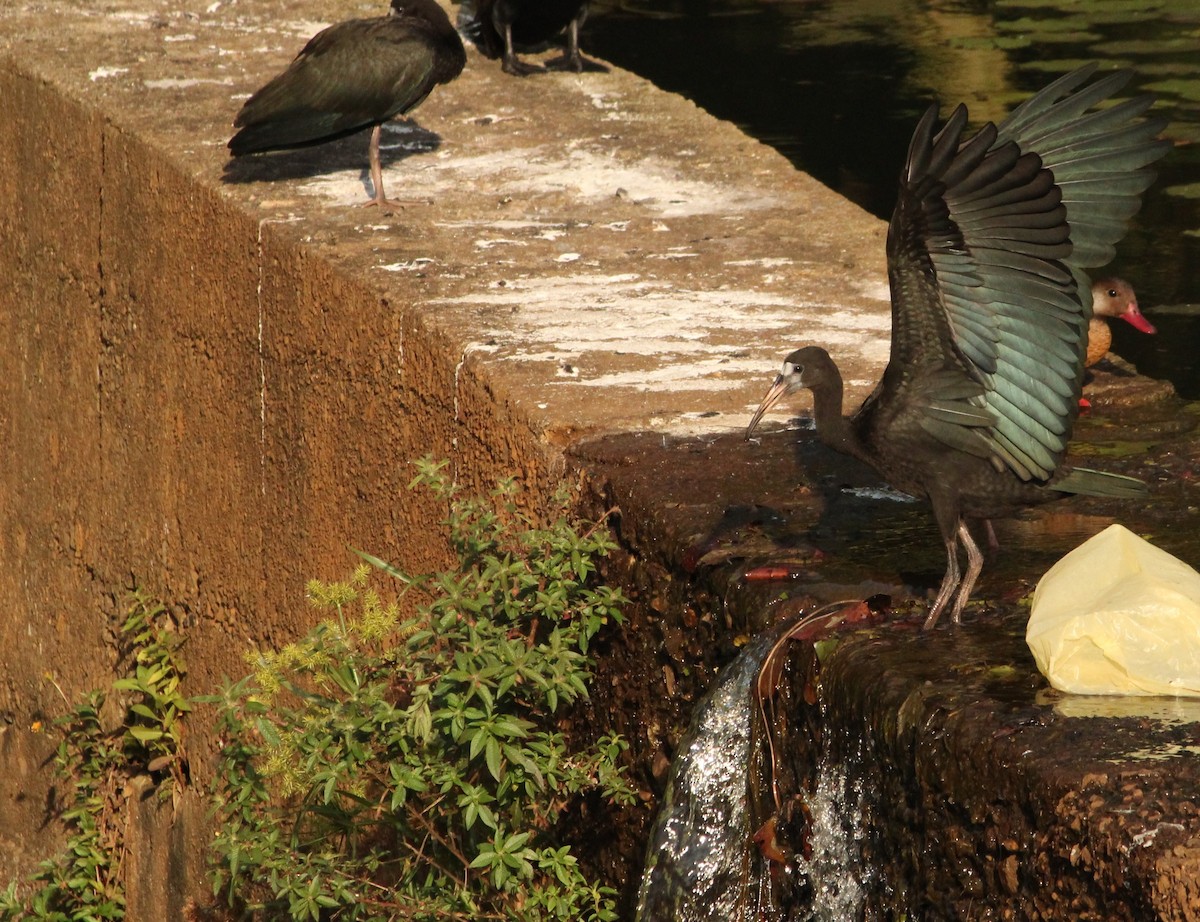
point(987, 794)
point(1002, 798)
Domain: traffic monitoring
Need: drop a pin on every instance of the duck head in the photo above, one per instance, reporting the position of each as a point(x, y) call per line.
point(1114, 297)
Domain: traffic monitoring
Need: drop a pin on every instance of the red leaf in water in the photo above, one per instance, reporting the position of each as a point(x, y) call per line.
point(765, 840)
point(769, 572)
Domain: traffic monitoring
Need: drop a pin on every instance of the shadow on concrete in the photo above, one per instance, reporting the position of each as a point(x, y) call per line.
point(866, 523)
point(400, 141)
point(803, 515)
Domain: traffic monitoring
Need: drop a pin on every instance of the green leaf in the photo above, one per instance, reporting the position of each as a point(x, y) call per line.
point(145, 734)
point(479, 738)
point(384, 566)
point(142, 711)
point(516, 841)
point(487, 816)
point(492, 758)
point(486, 858)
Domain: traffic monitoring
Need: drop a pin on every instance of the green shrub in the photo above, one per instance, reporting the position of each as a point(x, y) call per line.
point(84, 883)
point(402, 760)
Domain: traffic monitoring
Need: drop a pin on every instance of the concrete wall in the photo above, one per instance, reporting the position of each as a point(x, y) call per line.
point(195, 405)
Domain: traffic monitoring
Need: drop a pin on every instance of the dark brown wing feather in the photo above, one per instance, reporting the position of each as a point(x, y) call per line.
point(348, 77)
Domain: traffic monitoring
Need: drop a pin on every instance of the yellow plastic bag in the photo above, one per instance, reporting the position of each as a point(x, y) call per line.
point(1118, 616)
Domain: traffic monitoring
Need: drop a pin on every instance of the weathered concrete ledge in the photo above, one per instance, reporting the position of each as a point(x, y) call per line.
point(986, 795)
point(215, 378)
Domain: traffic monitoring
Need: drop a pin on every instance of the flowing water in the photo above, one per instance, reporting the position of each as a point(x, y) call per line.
point(839, 877)
point(699, 863)
point(838, 85)
point(729, 842)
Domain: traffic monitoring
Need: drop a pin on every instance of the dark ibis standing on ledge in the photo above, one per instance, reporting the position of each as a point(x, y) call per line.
point(504, 24)
point(356, 74)
point(990, 307)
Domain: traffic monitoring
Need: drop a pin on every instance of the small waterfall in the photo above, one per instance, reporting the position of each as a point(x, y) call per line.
point(698, 862)
point(836, 872)
point(704, 863)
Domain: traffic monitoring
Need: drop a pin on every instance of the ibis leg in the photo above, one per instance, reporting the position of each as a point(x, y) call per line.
point(511, 63)
point(376, 169)
point(572, 59)
point(949, 582)
point(974, 566)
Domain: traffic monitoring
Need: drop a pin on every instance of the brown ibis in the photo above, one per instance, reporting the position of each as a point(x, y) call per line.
point(353, 75)
point(986, 251)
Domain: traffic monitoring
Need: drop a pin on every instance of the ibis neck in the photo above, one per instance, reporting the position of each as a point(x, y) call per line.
point(833, 429)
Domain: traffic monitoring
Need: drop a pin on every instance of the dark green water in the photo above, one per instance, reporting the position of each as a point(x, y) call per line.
point(837, 86)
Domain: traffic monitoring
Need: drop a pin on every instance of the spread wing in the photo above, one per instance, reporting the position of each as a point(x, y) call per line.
point(986, 249)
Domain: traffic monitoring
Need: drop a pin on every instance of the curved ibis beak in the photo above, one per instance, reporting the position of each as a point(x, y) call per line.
point(778, 389)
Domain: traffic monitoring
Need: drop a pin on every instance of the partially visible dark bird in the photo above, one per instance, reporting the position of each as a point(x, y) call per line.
point(504, 24)
point(990, 308)
point(353, 75)
point(1112, 297)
